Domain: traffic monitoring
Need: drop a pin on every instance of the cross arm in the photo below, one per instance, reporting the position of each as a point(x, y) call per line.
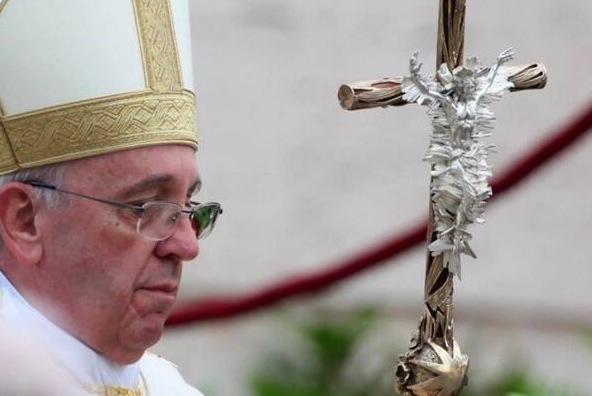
point(388, 91)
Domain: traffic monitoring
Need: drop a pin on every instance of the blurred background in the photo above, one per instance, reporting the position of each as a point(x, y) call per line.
point(305, 185)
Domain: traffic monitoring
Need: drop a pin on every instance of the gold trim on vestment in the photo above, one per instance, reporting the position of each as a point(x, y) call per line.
point(111, 390)
point(108, 390)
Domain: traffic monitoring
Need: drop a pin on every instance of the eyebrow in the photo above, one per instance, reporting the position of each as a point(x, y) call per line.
point(195, 187)
point(159, 179)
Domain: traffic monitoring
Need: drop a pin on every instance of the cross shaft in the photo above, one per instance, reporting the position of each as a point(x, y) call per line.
point(435, 365)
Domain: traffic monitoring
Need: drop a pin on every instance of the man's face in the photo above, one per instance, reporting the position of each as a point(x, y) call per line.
point(109, 286)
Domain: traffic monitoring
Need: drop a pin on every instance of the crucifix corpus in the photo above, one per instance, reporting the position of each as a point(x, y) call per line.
point(458, 99)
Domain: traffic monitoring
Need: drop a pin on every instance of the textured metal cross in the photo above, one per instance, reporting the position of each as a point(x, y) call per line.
point(435, 365)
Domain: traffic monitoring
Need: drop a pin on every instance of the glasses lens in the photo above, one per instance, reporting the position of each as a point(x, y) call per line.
point(203, 218)
point(158, 220)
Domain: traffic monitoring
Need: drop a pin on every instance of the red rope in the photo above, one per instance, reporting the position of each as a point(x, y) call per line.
point(222, 307)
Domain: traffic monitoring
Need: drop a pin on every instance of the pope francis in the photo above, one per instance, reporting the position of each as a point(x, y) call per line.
point(98, 179)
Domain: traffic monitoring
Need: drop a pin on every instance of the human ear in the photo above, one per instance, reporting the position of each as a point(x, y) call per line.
point(18, 223)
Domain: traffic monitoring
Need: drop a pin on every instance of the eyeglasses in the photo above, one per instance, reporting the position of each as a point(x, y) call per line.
point(157, 220)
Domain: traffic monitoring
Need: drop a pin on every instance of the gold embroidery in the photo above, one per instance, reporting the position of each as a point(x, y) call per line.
point(98, 126)
point(159, 48)
point(8, 162)
point(108, 390)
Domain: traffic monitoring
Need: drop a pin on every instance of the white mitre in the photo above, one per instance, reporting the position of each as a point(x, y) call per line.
point(80, 77)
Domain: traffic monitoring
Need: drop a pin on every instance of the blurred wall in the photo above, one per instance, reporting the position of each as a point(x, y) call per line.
point(305, 184)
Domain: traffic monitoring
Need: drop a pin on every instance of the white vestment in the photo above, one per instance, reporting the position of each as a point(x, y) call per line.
point(39, 358)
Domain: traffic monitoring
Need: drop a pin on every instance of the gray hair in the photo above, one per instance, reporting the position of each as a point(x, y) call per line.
point(48, 173)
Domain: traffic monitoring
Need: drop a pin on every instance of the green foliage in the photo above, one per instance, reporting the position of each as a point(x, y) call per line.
point(517, 382)
point(326, 367)
point(329, 365)
point(586, 335)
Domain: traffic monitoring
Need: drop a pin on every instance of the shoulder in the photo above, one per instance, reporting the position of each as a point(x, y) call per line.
point(163, 378)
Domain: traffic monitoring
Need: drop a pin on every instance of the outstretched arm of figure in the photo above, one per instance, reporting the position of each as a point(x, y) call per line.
point(504, 57)
point(415, 76)
point(429, 93)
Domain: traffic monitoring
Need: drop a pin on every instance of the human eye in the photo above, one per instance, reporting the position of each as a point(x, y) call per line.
point(138, 207)
point(142, 202)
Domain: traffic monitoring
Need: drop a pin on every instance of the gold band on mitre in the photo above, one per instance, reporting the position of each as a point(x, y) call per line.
point(96, 127)
point(161, 112)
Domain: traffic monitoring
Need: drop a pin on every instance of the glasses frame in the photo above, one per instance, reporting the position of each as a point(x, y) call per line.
point(192, 211)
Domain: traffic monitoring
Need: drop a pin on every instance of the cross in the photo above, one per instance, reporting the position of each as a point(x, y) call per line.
point(457, 98)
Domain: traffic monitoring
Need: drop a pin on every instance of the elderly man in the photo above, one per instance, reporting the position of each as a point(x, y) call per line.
point(97, 208)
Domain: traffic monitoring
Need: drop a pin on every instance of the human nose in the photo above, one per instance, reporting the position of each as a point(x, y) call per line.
point(182, 243)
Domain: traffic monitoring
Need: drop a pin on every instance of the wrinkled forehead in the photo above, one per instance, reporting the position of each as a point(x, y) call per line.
point(170, 166)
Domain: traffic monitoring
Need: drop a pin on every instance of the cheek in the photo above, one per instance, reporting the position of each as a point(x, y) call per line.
point(118, 227)
point(96, 261)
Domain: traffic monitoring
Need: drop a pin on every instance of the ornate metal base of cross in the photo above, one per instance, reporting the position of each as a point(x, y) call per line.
point(458, 98)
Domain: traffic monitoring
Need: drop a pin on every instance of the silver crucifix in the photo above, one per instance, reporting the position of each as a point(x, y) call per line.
point(458, 99)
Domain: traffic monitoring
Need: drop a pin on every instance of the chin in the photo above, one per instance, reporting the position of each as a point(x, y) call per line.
point(151, 332)
point(145, 336)
point(153, 328)
point(134, 351)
